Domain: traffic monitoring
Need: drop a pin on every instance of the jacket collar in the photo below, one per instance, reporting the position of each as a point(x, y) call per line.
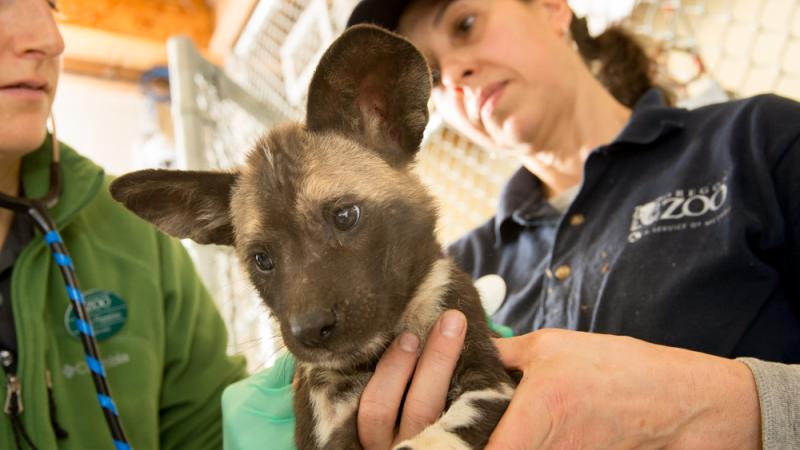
point(523, 201)
point(650, 119)
point(80, 179)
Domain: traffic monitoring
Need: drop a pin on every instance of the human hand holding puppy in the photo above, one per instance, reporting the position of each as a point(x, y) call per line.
point(425, 401)
point(582, 390)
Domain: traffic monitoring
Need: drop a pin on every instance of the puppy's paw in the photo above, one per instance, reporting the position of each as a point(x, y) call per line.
point(434, 437)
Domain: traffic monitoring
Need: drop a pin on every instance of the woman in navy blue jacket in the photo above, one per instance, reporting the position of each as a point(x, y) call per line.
point(679, 230)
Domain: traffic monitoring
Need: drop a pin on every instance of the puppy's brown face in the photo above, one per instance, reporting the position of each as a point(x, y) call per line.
point(333, 228)
point(334, 239)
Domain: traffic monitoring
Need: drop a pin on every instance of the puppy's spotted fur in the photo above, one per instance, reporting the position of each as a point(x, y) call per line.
point(337, 235)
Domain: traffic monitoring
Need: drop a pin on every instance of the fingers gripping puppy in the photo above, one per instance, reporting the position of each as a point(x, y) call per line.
point(337, 235)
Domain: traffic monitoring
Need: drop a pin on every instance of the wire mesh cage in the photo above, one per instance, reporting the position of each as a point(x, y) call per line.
point(707, 50)
point(749, 46)
point(216, 122)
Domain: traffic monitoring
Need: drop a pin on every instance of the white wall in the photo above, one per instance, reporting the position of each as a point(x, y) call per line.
point(101, 119)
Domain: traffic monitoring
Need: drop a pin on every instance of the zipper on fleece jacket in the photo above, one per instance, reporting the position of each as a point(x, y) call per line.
point(13, 406)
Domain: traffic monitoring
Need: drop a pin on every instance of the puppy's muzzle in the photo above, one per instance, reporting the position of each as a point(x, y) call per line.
point(314, 328)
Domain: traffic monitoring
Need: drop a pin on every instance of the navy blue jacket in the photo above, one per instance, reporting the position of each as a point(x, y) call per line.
point(685, 232)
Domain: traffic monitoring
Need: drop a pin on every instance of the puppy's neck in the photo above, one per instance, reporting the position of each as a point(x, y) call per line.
point(428, 301)
point(333, 393)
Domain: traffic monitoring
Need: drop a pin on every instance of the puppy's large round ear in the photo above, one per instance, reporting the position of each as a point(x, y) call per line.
point(184, 204)
point(372, 86)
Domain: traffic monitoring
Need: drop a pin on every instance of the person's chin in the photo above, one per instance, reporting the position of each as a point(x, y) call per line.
point(502, 131)
point(517, 129)
point(22, 137)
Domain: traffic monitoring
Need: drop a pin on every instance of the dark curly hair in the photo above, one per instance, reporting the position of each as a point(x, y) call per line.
point(617, 59)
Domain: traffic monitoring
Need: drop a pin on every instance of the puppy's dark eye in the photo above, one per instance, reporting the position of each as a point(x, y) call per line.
point(346, 217)
point(263, 262)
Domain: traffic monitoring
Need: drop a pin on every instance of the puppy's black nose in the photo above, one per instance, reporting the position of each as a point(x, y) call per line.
point(315, 327)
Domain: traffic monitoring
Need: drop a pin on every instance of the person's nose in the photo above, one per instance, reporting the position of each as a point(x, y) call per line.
point(36, 33)
point(458, 73)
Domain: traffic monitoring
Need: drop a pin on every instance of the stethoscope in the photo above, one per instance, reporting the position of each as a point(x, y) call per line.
point(36, 209)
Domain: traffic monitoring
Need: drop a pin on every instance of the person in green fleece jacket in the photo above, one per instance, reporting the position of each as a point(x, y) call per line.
point(160, 337)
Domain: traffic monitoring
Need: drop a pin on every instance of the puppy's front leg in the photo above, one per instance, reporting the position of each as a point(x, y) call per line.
point(467, 423)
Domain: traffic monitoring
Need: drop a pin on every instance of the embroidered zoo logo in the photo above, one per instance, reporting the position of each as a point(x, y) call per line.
point(681, 210)
point(81, 368)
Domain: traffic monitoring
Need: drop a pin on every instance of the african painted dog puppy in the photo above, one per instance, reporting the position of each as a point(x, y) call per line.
point(337, 235)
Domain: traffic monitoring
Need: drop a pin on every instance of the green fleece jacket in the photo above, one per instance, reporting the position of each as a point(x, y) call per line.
point(166, 365)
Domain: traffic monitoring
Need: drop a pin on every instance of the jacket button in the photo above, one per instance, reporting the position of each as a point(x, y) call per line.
point(577, 219)
point(562, 272)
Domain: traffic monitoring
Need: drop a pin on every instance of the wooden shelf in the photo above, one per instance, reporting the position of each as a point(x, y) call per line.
point(119, 40)
point(148, 19)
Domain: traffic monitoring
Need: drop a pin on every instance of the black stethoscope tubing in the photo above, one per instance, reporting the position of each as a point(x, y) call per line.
point(36, 209)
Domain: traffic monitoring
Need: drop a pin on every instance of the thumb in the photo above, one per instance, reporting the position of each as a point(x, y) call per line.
point(526, 424)
point(514, 352)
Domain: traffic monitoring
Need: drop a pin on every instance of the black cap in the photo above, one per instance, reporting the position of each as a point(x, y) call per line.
point(385, 13)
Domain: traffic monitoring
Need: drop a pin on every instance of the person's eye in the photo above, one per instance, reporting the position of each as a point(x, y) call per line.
point(464, 25)
point(436, 75)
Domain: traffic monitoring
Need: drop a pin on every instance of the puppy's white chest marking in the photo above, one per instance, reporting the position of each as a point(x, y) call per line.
point(330, 412)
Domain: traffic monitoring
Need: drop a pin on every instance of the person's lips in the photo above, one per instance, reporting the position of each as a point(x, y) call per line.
point(488, 98)
point(27, 87)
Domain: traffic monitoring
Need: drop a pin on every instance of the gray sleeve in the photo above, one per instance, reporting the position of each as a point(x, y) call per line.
point(778, 388)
